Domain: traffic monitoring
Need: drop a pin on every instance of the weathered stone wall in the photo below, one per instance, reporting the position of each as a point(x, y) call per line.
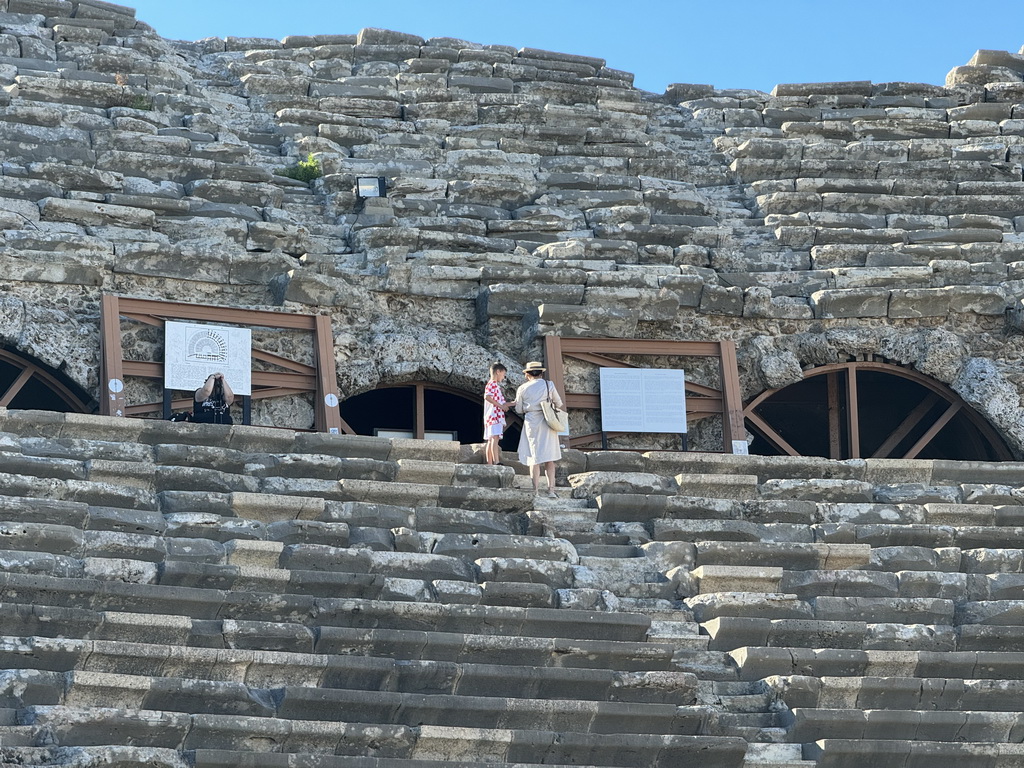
point(530, 192)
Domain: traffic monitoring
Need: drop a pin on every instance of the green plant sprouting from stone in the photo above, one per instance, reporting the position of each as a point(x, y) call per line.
point(304, 170)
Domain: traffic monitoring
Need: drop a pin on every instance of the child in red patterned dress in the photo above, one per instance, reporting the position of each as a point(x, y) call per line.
point(494, 413)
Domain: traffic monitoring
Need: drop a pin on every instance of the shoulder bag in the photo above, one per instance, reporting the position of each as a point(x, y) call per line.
point(556, 418)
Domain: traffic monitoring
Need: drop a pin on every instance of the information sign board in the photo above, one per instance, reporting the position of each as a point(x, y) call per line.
point(192, 352)
point(643, 400)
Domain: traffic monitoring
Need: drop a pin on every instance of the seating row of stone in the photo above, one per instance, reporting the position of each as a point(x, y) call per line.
point(787, 610)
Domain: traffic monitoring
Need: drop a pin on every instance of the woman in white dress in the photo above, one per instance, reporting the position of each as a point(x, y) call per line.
point(539, 443)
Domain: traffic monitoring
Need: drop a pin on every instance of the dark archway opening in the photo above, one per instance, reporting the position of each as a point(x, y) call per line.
point(443, 413)
point(27, 384)
point(870, 410)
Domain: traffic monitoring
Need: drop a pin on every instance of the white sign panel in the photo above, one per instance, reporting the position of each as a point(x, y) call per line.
point(643, 400)
point(193, 352)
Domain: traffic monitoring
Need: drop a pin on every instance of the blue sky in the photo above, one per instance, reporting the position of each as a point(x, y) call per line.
point(736, 44)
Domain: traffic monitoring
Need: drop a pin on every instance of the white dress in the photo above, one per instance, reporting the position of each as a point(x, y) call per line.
point(538, 443)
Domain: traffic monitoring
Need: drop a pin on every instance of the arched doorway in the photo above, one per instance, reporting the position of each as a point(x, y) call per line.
point(869, 409)
point(26, 384)
point(423, 410)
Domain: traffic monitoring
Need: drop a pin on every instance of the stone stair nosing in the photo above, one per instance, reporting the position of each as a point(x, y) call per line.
point(65, 726)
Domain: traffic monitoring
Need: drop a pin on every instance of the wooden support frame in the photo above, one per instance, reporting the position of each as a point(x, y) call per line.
point(702, 401)
point(32, 375)
point(850, 406)
point(297, 378)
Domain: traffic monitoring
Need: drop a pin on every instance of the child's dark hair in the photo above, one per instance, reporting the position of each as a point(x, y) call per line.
point(495, 367)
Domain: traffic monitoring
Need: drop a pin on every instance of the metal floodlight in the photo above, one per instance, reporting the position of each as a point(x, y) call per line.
point(371, 186)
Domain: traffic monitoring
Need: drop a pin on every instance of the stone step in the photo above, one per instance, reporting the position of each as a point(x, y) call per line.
point(269, 695)
point(727, 633)
point(274, 669)
point(757, 663)
point(775, 756)
point(291, 637)
point(901, 693)
point(211, 603)
point(91, 757)
point(791, 556)
point(216, 758)
point(840, 753)
point(810, 725)
point(63, 726)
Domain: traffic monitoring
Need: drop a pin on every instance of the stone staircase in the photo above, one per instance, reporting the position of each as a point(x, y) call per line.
point(181, 594)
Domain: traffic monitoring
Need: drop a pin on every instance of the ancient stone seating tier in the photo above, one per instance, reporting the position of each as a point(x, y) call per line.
point(179, 595)
point(186, 594)
point(514, 174)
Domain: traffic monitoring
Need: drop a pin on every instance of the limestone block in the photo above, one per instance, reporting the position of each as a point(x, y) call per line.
point(838, 583)
point(772, 605)
point(223, 191)
point(721, 300)
point(265, 554)
point(456, 592)
point(517, 594)
point(818, 490)
point(960, 514)
point(101, 214)
point(918, 493)
point(553, 573)
point(575, 320)
point(625, 507)
point(725, 578)
point(869, 513)
point(156, 167)
point(474, 546)
point(484, 476)
point(912, 558)
point(919, 302)
point(432, 472)
point(946, 586)
point(592, 484)
point(858, 302)
point(979, 300)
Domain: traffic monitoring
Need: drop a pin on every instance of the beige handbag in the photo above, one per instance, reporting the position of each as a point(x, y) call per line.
point(556, 419)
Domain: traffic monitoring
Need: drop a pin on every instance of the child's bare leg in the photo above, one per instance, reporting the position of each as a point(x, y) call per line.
point(549, 470)
point(535, 476)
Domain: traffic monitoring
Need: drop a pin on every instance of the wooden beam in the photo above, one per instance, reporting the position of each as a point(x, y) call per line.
point(906, 426)
point(703, 391)
point(420, 414)
point(835, 437)
point(853, 411)
point(732, 417)
point(283, 362)
point(770, 434)
point(935, 428)
point(553, 351)
point(112, 397)
point(601, 360)
point(328, 404)
point(16, 386)
point(170, 310)
point(573, 345)
point(705, 406)
point(301, 381)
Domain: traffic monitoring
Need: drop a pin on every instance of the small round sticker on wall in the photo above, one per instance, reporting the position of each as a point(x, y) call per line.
point(115, 385)
point(331, 400)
